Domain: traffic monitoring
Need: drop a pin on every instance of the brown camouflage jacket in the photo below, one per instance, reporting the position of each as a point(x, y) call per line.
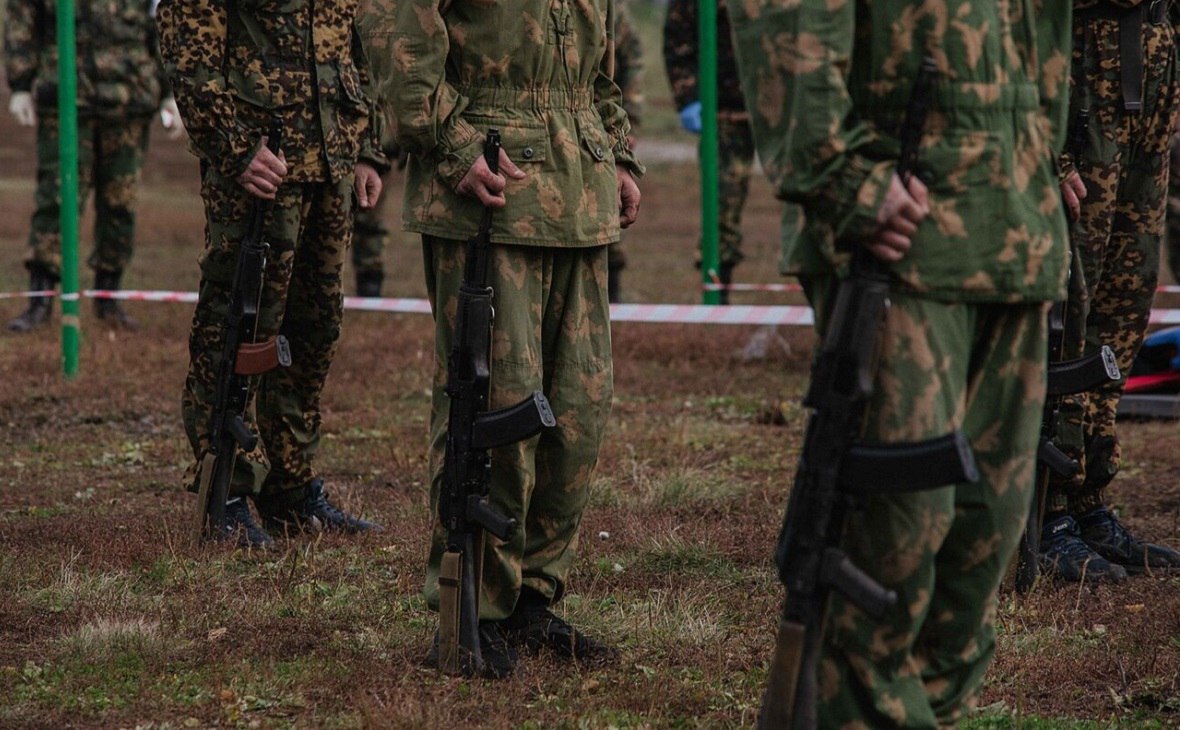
point(237, 64)
point(118, 59)
point(538, 70)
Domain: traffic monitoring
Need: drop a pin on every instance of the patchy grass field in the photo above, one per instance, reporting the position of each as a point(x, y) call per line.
point(109, 619)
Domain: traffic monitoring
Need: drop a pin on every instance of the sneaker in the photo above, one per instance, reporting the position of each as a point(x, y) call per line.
point(1109, 538)
point(499, 657)
point(239, 525)
point(1066, 555)
point(536, 628)
point(314, 514)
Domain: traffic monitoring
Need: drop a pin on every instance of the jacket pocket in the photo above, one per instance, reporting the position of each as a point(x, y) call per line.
point(595, 141)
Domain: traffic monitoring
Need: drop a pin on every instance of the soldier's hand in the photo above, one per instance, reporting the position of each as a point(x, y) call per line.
point(367, 186)
point(265, 173)
point(628, 197)
point(1073, 192)
point(170, 118)
point(480, 182)
point(21, 107)
point(898, 218)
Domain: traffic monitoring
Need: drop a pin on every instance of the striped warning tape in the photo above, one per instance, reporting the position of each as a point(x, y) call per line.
point(746, 314)
point(716, 286)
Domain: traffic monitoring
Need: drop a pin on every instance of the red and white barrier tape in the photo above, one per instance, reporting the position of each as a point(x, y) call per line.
point(667, 313)
point(717, 286)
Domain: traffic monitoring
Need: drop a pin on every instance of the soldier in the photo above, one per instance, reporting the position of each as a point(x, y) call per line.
point(974, 257)
point(369, 233)
point(1115, 176)
point(235, 68)
point(628, 67)
point(735, 143)
point(565, 187)
point(120, 86)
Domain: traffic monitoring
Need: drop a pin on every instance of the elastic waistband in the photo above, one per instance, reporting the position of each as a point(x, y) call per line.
point(529, 98)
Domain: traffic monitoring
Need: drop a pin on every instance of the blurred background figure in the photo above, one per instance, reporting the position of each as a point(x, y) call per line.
point(120, 87)
point(628, 66)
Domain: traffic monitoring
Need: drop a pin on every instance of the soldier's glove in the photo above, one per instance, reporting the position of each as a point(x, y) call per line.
point(21, 107)
point(170, 117)
point(690, 117)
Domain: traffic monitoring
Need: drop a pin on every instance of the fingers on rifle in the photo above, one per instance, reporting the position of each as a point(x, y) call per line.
point(918, 191)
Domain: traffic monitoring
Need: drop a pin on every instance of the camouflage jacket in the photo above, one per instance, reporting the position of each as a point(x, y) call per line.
point(236, 65)
point(827, 84)
point(681, 59)
point(628, 64)
point(538, 70)
point(118, 59)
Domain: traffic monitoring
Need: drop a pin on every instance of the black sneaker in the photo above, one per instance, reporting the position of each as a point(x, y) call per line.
point(239, 525)
point(1065, 555)
point(314, 514)
point(1109, 538)
point(499, 657)
point(536, 628)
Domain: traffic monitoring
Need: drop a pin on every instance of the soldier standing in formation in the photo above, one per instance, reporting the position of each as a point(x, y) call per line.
point(735, 142)
point(120, 87)
point(235, 68)
point(628, 67)
point(974, 256)
point(369, 233)
point(540, 72)
point(1124, 93)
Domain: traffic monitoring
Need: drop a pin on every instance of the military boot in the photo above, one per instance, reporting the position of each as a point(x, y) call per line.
point(499, 658)
point(1066, 555)
point(312, 513)
point(240, 526)
point(109, 310)
point(368, 284)
point(40, 308)
point(1109, 538)
point(534, 628)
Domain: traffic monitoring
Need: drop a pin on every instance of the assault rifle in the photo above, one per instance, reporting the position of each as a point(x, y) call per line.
point(241, 358)
point(834, 468)
point(471, 431)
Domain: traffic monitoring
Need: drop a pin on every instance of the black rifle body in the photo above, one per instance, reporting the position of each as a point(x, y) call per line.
point(471, 431)
point(834, 467)
point(241, 359)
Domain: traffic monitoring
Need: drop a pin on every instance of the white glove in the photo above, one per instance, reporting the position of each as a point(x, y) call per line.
point(170, 118)
point(21, 107)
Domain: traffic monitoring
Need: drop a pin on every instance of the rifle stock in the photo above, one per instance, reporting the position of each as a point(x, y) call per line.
point(241, 358)
point(472, 430)
point(835, 467)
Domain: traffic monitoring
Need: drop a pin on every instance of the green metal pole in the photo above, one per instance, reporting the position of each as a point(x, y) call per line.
point(67, 108)
point(707, 87)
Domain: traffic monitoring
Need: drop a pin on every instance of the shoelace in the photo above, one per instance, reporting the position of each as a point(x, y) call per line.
point(1120, 537)
point(1070, 544)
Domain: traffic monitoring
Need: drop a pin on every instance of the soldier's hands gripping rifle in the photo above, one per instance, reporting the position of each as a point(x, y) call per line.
point(835, 468)
point(241, 359)
point(471, 431)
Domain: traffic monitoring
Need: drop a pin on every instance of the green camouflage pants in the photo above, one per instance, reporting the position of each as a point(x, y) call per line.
point(552, 333)
point(308, 231)
point(110, 156)
point(979, 367)
point(735, 161)
point(1117, 238)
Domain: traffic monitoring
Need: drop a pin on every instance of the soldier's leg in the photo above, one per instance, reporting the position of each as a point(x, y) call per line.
point(120, 146)
point(369, 234)
point(616, 261)
point(227, 214)
point(735, 158)
point(943, 550)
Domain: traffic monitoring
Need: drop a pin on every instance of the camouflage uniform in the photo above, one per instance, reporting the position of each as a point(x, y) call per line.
point(628, 67)
point(1123, 161)
point(540, 72)
point(735, 142)
point(233, 66)
point(369, 232)
point(120, 86)
point(964, 342)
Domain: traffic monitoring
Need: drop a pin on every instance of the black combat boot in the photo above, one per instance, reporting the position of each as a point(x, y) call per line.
point(240, 526)
point(725, 278)
point(534, 628)
point(40, 308)
point(499, 658)
point(368, 284)
point(1066, 555)
point(109, 310)
point(1109, 538)
point(312, 513)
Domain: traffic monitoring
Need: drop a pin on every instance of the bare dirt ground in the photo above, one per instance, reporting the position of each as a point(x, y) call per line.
point(109, 619)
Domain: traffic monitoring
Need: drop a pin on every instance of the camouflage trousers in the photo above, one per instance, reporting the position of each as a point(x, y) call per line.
point(110, 156)
point(735, 162)
point(981, 368)
point(308, 230)
point(1124, 163)
point(369, 233)
point(552, 333)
